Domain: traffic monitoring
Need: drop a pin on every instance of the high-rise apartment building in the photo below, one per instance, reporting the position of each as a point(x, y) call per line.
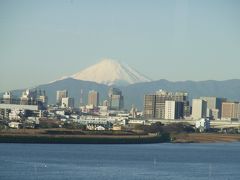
point(61, 94)
point(28, 97)
point(154, 104)
point(115, 99)
point(93, 98)
point(42, 97)
point(161, 97)
point(149, 106)
point(44, 100)
point(199, 109)
point(67, 102)
point(174, 110)
point(230, 110)
point(214, 105)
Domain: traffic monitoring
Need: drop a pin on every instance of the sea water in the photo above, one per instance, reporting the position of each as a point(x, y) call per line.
point(166, 161)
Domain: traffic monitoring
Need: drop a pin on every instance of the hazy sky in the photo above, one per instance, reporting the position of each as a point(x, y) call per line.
point(43, 40)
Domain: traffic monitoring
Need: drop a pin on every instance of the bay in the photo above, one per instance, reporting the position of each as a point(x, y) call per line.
point(213, 161)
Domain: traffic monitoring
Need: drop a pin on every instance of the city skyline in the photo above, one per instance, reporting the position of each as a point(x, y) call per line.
point(42, 41)
point(159, 105)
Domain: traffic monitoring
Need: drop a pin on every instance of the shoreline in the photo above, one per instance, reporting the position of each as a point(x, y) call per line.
point(46, 139)
point(66, 136)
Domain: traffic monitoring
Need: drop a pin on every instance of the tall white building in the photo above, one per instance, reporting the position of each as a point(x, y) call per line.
point(67, 102)
point(199, 108)
point(169, 109)
point(174, 110)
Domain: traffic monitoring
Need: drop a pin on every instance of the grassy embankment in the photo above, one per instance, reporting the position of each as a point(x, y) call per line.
point(204, 138)
point(64, 136)
point(185, 133)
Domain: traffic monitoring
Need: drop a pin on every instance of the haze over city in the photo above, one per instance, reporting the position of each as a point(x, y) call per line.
point(41, 41)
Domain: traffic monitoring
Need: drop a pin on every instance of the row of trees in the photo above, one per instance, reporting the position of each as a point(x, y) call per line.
point(158, 127)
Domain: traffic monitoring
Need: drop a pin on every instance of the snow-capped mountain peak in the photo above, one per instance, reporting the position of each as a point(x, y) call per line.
point(110, 72)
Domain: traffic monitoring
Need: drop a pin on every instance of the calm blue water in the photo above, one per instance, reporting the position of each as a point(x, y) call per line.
point(219, 161)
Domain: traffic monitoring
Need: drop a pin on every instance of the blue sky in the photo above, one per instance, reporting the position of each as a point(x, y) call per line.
point(43, 40)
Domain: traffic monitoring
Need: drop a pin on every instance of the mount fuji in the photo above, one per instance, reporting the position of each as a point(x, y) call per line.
point(110, 72)
point(133, 85)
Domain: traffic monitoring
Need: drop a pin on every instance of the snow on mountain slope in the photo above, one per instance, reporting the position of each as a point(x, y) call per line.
point(110, 72)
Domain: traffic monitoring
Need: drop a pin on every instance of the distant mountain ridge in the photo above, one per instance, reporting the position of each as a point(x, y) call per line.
point(134, 93)
point(134, 85)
